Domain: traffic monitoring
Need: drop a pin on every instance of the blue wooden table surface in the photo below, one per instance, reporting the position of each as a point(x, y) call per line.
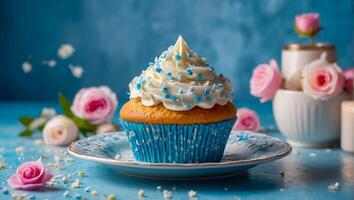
point(305, 174)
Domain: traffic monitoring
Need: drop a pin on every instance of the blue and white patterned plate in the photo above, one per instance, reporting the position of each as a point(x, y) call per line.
point(243, 151)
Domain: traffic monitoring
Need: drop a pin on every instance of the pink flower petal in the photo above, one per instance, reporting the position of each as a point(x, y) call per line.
point(96, 104)
point(247, 120)
point(265, 81)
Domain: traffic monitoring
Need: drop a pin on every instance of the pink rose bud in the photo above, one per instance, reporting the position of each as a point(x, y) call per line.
point(349, 78)
point(307, 24)
point(106, 128)
point(60, 131)
point(30, 176)
point(247, 120)
point(322, 79)
point(96, 104)
point(265, 81)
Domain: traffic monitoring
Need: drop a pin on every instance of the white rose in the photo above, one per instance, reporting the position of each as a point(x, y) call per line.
point(60, 131)
point(106, 128)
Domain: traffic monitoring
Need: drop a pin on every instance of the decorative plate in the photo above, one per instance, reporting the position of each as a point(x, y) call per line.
point(243, 151)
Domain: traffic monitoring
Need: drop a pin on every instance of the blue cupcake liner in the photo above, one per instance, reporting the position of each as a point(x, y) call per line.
point(174, 143)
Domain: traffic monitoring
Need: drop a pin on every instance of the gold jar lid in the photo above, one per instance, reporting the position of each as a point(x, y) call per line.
point(317, 46)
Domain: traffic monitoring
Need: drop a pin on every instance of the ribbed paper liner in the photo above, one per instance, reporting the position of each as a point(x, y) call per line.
point(173, 143)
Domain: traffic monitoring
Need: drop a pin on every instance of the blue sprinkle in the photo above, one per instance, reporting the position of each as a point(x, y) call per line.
point(189, 55)
point(174, 99)
point(87, 189)
point(139, 86)
point(66, 193)
point(128, 93)
point(5, 191)
point(178, 57)
point(169, 74)
point(158, 69)
point(166, 96)
point(32, 197)
point(191, 90)
point(209, 98)
point(180, 77)
point(164, 89)
point(200, 77)
point(197, 99)
point(163, 55)
point(77, 196)
point(206, 91)
point(180, 91)
point(189, 71)
point(220, 86)
point(151, 63)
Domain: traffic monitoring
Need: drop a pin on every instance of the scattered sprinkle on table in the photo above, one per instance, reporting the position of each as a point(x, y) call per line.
point(334, 186)
point(5, 191)
point(328, 150)
point(159, 188)
point(75, 184)
point(226, 189)
point(81, 173)
point(111, 197)
point(192, 194)
point(141, 193)
point(18, 196)
point(66, 193)
point(38, 142)
point(94, 193)
point(26, 67)
point(312, 155)
point(281, 189)
point(20, 149)
point(87, 189)
point(167, 194)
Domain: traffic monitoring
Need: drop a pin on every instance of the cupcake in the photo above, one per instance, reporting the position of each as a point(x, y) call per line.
point(179, 111)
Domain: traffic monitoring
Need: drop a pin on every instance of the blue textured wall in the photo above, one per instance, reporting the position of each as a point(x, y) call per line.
point(115, 39)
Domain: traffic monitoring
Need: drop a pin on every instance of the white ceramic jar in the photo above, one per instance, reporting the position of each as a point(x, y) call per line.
point(305, 121)
point(295, 56)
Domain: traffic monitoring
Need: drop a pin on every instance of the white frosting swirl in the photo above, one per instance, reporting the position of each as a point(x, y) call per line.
point(181, 80)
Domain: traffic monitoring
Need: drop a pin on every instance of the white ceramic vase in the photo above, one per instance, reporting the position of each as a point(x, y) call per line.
point(296, 56)
point(305, 121)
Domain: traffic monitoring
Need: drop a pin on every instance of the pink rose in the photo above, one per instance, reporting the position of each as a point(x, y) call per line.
point(96, 104)
point(30, 176)
point(60, 131)
point(322, 80)
point(265, 81)
point(349, 78)
point(247, 120)
point(307, 24)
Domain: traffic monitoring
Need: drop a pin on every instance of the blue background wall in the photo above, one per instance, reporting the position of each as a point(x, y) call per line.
point(115, 39)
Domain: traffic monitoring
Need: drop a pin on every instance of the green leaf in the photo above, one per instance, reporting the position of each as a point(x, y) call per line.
point(84, 125)
point(26, 121)
point(26, 133)
point(65, 106)
point(84, 133)
point(41, 127)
